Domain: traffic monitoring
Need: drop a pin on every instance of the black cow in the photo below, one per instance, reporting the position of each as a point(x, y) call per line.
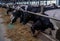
point(25, 16)
point(16, 15)
point(19, 14)
point(41, 25)
point(31, 17)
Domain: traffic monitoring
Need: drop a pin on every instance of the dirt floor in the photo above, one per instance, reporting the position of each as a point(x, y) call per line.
point(19, 32)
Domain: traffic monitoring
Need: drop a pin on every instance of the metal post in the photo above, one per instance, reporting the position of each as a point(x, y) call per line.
point(57, 2)
point(29, 2)
point(43, 2)
point(39, 2)
point(46, 2)
point(26, 2)
point(35, 1)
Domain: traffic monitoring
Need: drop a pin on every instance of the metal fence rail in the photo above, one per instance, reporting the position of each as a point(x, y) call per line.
point(39, 14)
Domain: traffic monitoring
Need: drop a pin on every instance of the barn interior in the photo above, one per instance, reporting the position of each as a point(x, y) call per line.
point(29, 20)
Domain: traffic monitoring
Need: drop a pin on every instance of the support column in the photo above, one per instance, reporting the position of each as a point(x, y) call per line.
point(39, 2)
point(59, 2)
point(46, 2)
point(29, 2)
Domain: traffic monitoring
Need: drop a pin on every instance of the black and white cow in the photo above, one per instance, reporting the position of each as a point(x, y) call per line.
point(25, 16)
point(18, 13)
point(42, 24)
point(31, 17)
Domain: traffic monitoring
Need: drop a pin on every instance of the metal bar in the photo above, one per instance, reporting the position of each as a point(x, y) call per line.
point(42, 15)
point(39, 2)
point(48, 37)
point(46, 2)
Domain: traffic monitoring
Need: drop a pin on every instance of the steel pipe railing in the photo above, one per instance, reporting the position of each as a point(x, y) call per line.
point(39, 14)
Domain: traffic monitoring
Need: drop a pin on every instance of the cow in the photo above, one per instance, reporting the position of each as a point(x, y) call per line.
point(19, 14)
point(25, 16)
point(41, 25)
point(31, 17)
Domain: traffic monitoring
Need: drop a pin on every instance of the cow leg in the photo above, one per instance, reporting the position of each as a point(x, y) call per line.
point(7, 12)
point(33, 32)
point(51, 26)
point(21, 19)
point(25, 19)
point(58, 34)
point(35, 28)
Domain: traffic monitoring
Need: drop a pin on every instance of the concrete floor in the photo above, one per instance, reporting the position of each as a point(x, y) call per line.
point(2, 31)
